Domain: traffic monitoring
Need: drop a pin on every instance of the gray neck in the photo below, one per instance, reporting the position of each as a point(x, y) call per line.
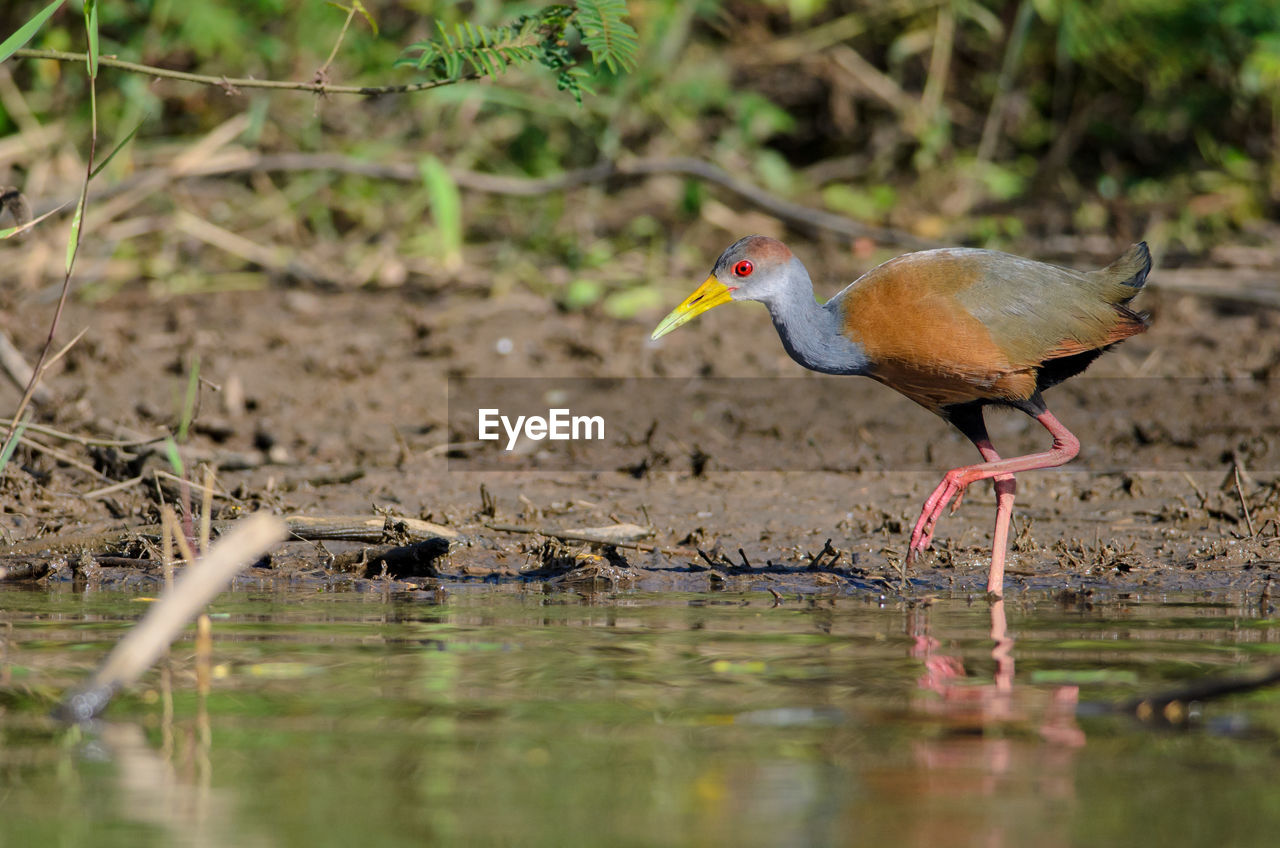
point(813, 333)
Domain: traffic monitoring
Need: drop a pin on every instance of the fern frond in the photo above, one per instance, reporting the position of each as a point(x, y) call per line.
point(612, 41)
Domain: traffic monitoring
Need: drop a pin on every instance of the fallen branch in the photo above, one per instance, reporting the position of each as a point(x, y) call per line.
point(338, 528)
point(585, 535)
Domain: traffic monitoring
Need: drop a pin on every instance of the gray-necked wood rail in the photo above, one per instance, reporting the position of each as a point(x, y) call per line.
point(955, 330)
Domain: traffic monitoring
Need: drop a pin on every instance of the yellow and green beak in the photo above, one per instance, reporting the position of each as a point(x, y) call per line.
point(709, 294)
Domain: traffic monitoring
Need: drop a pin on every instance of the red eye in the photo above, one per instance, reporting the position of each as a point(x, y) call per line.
point(743, 269)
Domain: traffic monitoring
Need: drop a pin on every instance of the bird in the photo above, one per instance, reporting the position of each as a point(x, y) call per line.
point(954, 329)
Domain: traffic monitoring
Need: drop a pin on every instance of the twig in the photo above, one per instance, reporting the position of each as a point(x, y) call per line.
point(874, 81)
point(321, 74)
point(116, 487)
point(63, 457)
point(1008, 70)
point(1172, 706)
point(815, 560)
point(20, 371)
point(1244, 504)
point(794, 214)
point(178, 530)
point(229, 84)
point(143, 645)
point(250, 251)
point(944, 36)
point(338, 528)
point(85, 440)
point(206, 508)
point(159, 472)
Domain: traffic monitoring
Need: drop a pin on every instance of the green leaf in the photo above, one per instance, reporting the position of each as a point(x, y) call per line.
point(118, 148)
point(373, 25)
point(446, 208)
point(28, 30)
point(12, 444)
point(91, 26)
point(488, 51)
point(10, 232)
point(175, 458)
point(74, 241)
point(612, 41)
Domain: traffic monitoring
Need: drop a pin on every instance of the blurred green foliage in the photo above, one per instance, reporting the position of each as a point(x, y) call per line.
point(960, 120)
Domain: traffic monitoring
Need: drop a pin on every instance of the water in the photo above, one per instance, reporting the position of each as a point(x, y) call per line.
point(507, 716)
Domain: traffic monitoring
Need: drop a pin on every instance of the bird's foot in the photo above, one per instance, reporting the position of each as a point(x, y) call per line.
point(952, 486)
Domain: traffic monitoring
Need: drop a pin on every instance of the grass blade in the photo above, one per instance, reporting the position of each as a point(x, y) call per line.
point(446, 208)
point(12, 444)
point(118, 147)
point(91, 26)
point(28, 30)
point(73, 243)
point(172, 453)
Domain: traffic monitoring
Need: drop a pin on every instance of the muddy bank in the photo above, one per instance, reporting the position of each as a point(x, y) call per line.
point(325, 404)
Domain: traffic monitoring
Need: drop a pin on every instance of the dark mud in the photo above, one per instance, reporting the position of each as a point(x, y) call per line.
point(335, 403)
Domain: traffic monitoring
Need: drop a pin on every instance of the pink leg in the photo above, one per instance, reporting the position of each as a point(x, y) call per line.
point(1065, 447)
point(1006, 487)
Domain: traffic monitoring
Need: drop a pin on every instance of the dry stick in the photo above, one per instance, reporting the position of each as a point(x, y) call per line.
point(166, 546)
point(159, 472)
point(116, 487)
point(794, 214)
point(586, 537)
point(935, 86)
point(334, 528)
point(62, 457)
point(250, 251)
point(324, 69)
point(206, 508)
point(231, 84)
point(45, 430)
point(32, 376)
point(1004, 84)
point(874, 81)
point(20, 372)
point(199, 584)
point(178, 531)
point(1172, 705)
point(1244, 504)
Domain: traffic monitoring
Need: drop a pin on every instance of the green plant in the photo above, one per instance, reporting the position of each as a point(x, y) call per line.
point(471, 50)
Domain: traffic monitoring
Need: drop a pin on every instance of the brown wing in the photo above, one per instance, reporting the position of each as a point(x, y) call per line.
point(958, 325)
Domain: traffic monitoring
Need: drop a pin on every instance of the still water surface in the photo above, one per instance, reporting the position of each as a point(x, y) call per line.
point(508, 716)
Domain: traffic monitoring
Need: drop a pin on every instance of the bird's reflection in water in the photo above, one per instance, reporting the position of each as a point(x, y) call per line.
point(999, 745)
point(967, 706)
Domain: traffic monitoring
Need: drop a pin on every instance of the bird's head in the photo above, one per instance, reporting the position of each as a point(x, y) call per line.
point(753, 268)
